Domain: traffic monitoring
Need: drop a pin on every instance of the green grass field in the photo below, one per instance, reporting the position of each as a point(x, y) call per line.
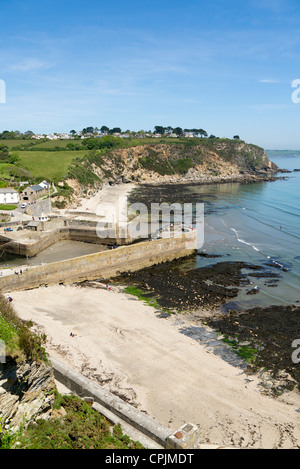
point(48, 165)
point(15, 143)
point(55, 143)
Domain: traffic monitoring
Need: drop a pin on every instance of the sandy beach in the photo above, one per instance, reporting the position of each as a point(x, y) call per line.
point(126, 347)
point(147, 360)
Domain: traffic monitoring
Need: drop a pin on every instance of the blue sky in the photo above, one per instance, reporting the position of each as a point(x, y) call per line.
point(224, 66)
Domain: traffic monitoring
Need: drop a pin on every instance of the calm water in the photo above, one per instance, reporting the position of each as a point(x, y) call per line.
point(259, 223)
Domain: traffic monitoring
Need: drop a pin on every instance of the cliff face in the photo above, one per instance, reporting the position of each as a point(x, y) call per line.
point(183, 161)
point(26, 392)
point(196, 160)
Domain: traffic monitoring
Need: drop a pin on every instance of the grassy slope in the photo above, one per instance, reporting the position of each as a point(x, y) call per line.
point(48, 164)
point(14, 143)
point(81, 427)
point(45, 159)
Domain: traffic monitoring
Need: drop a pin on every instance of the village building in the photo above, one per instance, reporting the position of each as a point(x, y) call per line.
point(35, 226)
point(43, 217)
point(9, 196)
point(32, 193)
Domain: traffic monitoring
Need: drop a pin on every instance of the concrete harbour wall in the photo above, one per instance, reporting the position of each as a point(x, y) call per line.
point(103, 265)
point(84, 234)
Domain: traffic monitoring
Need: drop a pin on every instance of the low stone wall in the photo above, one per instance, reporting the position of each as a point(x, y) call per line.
point(84, 387)
point(104, 264)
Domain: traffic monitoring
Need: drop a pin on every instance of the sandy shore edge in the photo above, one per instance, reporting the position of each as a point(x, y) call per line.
point(126, 347)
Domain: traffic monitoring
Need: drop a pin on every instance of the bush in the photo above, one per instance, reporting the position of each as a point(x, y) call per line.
point(15, 333)
point(81, 428)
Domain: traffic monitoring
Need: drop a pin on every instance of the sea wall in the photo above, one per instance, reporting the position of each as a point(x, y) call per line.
point(103, 265)
point(33, 247)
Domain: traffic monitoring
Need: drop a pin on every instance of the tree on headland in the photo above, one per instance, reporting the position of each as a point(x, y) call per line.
point(178, 131)
point(236, 137)
point(104, 129)
point(115, 130)
point(159, 129)
point(88, 130)
point(202, 133)
point(168, 130)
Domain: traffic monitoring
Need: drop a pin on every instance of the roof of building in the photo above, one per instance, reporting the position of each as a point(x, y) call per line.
point(37, 188)
point(4, 190)
point(33, 223)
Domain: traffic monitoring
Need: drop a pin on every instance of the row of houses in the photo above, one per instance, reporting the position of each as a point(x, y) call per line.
point(81, 135)
point(55, 136)
point(10, 195)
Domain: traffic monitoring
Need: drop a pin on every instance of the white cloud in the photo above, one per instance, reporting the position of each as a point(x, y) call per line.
point(29, 65)
point(268, 80)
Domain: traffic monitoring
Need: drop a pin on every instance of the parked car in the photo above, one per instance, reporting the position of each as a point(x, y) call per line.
point(23, 205)
point(8, 229)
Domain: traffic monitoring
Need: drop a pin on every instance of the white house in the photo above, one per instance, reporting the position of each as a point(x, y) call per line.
point(43, 217)
point(38, 137)
point(52, 137)
point(44, 184)
point(9, 196)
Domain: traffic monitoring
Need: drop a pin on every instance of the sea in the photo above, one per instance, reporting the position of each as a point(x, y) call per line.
point(257, 223)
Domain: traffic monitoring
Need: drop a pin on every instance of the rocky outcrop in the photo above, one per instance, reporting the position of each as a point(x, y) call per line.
point(26, 392)
point(198, 160)
point(178, 162)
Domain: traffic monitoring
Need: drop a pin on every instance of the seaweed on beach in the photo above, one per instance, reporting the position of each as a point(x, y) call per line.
point(271, 331)
point(192, 289)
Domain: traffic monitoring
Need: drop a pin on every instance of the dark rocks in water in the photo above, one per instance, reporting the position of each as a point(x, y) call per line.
point(272, 283)
point(271, 331)
point(175, 288)
point(264, 275)
point(277, 263)
point(184, 287)
point(204, 254)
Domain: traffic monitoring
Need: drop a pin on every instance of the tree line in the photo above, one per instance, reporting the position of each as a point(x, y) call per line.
point(158, 130)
